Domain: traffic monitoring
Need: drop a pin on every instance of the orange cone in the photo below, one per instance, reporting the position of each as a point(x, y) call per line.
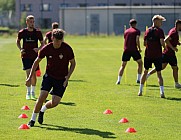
point(130, 130)
point(24, 126)
point(38, 73)
point(23, 116)
point(25, 108)
point(123, 120)
point(108, 111)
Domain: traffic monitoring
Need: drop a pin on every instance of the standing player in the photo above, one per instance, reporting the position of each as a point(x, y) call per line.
point(48, 35)
point(29, 51)
point(154, 40)
point(58, 55)
point(168, 55)
point(131, 49)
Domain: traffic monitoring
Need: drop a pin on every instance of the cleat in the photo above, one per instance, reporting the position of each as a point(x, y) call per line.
point(138, 81)
point(33, 97)
point(177, 85)
point(140, 94)
point(118, 83)
point(40, 117)
point(162, 95)
point(31, 123)
point(28, 97)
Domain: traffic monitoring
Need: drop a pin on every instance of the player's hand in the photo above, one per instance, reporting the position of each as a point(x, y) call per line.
point(65, 82)
point(22, 51)
point(28, 82)
point(179, 43)
point(175, 49)
point(36, 50)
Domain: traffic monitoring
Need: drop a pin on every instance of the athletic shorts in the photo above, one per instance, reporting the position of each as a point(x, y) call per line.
point(127, 55)
point(156, 61)
point(28, 63)
point(172, 60)
point(57, 87)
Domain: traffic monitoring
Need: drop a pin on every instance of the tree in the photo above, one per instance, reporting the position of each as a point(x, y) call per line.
point(7, 5)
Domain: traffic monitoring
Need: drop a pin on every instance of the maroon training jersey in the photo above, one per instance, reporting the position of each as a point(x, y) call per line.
point(49, 35)
point(173, 34)
point(130, 39)
point(57, 59)
point(154, 47)
point(30, 41)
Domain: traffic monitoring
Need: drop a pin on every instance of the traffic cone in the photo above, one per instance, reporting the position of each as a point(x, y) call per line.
point(38, 73)
point(24, 126)
point(130, 130)
point(25, 108)
point(108, 111)
point(23, 116)
point(123, 120)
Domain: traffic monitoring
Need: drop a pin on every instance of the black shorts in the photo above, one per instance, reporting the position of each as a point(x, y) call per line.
point(127, 55)
point(27, 63)
point(172, 60)
point(156, 61)
point(48, 83)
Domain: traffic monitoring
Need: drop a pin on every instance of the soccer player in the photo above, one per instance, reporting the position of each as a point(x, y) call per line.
point(131, 49)
point(59, 55)
point(168, 55)
point(153, 40)
point(29, 51)
point(48, 35)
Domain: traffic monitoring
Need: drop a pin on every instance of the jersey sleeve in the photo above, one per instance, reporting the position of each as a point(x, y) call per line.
point(20, 34)
point(39, 35)
point(71, 54)
point(42, 52)
point(162, 34)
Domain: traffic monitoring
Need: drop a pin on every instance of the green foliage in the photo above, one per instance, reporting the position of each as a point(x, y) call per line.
point(91, 91)
point(7, 5)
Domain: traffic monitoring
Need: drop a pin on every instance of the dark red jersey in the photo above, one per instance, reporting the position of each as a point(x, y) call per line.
point(49, 35)
point(57, 59)
point(130, 39)
point(173, 34)
point(153, 47)
point(30, 41)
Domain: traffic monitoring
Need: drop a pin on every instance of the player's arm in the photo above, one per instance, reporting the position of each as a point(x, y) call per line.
point(45, 40)
point(71, 69)
point(18, 44)
point(162, 42)
point(167, 41)
point(32, 71)
point(138, 43)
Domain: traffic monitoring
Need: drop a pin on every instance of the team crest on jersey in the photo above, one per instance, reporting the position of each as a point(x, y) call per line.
point(61, 56)
point(50, 56)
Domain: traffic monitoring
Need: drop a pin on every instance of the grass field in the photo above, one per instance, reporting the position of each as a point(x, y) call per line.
point(91, 91)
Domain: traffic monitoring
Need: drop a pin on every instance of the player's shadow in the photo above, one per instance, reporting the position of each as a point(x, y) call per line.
point(174, 99)
point(65, 103)
point(86, 131)
point(9, 85)
point(77, 81)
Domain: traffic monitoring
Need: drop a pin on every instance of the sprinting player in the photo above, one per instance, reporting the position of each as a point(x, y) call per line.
point(59, 55)
point(29, 51)
point(153, 40)
point(48, 35)
point(131, 49)
point(168, 55)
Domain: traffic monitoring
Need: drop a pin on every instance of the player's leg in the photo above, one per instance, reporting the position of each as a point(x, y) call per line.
point(175, 76)
point(28, 93)
point(125, 57)
point(38, 105)
point(33, 85)
point(158, 66)
point(147, 65)
point(140, 67)
point(121, 71)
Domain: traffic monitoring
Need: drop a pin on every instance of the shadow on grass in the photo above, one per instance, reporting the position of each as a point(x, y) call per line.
point(77, 81)
point(86, 131)
point(65, 103)
point(9, 85)
point(174, 99)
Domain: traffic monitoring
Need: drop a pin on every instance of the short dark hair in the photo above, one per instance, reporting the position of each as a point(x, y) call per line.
point(132, 21)
point(54, 25)
point(178, 21)
point(58, 33)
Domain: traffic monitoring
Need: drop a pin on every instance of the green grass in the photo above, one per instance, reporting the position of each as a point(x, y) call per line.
point(91, 91)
